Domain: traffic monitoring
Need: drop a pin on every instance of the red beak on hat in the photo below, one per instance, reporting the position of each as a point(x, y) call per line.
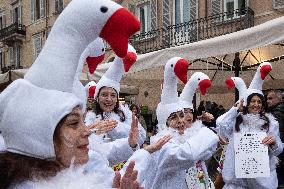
point(92, 90)
point(180, 70)
point(119, 27)
point(203, 85)
point(230, 83)
point(264, 71)
point(93, 62)
point(129, 60)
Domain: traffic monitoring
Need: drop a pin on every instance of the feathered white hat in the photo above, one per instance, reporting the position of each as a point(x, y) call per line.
point(175, 68)
point(32, 107)
point(116, 70)
point(197, 80)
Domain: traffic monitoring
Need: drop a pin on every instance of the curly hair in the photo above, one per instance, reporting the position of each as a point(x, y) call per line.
point(239, 118)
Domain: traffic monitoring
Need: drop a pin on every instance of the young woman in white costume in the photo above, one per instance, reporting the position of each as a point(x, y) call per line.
point(250, 118)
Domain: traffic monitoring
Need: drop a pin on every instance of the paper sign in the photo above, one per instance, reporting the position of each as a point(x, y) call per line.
point(251, 157)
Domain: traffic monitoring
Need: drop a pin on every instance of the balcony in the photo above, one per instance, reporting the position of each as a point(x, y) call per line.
point(193, 31)
point(12, 33)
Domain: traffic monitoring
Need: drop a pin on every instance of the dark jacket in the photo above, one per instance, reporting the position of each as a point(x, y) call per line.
point(278, 112)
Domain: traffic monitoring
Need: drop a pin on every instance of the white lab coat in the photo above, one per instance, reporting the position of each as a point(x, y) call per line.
point(251, 123)
point(168, 168)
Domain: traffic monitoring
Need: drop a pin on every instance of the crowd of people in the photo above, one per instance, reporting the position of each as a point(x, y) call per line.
point(53, 139)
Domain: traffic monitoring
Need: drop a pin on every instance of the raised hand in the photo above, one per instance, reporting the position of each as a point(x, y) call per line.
point(206, 116)
point(158, 145)
point(240, 106)
point(134, 132)
point(103, 126)
point(129, 180)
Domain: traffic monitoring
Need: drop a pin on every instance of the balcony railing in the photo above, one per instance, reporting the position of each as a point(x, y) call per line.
point(12, 30)
point(196, 30)
point(8, 68)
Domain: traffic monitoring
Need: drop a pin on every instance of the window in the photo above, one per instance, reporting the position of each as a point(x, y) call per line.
point(58, 6)
point(2, 21)
point(37, 45)
point(181, 13)
point(144, 15)
point(11, 56)
point(16, 14)
point(231, 5)
point(278, 4)
point(38, 9)
point(1, 60)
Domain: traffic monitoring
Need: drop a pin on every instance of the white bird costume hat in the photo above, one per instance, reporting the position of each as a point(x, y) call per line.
point(175, 67)
point(256, 84)
point(197, 80)
point(116, 70)
point(32, 107)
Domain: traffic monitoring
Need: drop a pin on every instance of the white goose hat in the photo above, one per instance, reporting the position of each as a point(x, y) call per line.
point(32, 107)
point(116, 70)
point(175, 67)
point(197, 80)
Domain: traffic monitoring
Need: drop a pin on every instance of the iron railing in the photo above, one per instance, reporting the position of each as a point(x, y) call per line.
point(196, 30)
point(15, 28)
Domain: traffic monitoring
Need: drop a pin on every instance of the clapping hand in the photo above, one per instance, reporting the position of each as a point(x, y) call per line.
point(103, 126)
point(206, 116)
point(129, 180)
point(134, 132)
point(158, 145)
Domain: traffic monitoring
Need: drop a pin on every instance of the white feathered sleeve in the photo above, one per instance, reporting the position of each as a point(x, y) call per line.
point(274, 131)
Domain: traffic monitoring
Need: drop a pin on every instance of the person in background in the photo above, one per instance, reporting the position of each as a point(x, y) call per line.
point(136, 110)
point(276, 108)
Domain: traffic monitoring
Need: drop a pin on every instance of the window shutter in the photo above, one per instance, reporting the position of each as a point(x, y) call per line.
point(148, 17)
point(216, 7)
point(20, 17)
point(4, 21)
point(193, 12)
point(32, 7)
point(153, 5)
point(56, 8)
point(11, 55)
point(11, 16)
point(278, 4)
point(42, 8)
point(166, 13)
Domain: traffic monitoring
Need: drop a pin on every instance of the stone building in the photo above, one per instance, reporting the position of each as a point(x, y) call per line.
point(25, 24)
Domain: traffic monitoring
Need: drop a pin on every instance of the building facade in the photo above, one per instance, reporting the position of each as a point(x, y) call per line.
point(25, 24)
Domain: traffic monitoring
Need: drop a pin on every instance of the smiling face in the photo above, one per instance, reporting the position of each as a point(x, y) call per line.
point(176, 121)
point(107, 99)
point(255, 105)
point(71, 139)
point(188, 117)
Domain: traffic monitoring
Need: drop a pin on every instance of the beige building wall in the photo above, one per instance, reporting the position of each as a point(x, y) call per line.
point(263, 10)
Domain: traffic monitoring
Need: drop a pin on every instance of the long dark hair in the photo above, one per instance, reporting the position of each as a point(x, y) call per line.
point(16, 168)
point(239, 118)
point(99, 111)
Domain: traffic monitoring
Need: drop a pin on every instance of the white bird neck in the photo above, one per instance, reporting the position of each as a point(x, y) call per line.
point(241, 86)
point(189, 90)
point(256, 82)
point(169, 91)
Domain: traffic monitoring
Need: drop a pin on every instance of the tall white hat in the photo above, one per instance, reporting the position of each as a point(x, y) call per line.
point(32, 107)
point(197, 80)
point(176, 67)
point(116, 70)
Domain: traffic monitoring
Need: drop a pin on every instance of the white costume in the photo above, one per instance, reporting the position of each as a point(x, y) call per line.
point(45, 95)
point(111, 79)
point(197, 175)
point(168, 167)
point(250, 123)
